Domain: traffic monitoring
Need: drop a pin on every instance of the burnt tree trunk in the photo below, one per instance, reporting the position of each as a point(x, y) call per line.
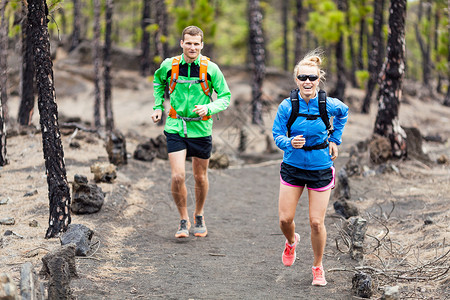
point(97, 100)
point(437, 20)
point(299, 24)
point(26, 108)
point(145, 43)
point(58, 188)
point(109, 120)
point(341, 82)
point(284, 20)
point(350, 46)
point(3, 159)
point(362, 33)
point(425, 46)
point(3, 61)
point(387, 123)
point(76, 30)
point(374, 55)
point(447, 97)
point(161, 33)
point(258, 55)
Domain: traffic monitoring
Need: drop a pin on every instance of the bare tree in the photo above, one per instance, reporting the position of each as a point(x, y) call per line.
point(3, 158)
point(58, 188)
point(375, 53)
point(3, 61)
point(76, 30)
point(98, 100)
point(109, 119)
point(299, 25)
point(163, 25)
point(425, 46)
point(362, 33)
point(145, 43)
point(284, 20)
point(258, 55)
point(447, 97)
point(341, 83)
point(353, 61)
point(26, 107)
point(387, 123)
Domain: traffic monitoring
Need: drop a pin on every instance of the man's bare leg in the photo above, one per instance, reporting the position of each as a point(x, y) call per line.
point(200, 169)
point(178, 186)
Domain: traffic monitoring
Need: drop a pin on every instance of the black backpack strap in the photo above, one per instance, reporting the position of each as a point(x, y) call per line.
point(294, 111)
point(323, 110)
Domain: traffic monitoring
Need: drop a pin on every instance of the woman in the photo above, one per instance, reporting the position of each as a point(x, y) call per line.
point(308, 160)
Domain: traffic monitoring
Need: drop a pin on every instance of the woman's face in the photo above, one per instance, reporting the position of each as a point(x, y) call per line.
point(308, 84)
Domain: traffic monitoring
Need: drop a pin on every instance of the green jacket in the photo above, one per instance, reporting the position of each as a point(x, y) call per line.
point(186, 95)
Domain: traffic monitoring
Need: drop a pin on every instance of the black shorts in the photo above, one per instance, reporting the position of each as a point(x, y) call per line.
point(317, 180)
point(195, 147)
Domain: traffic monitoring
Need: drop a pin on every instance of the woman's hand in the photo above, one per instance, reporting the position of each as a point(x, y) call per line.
point(333, 150)
point(298, 141)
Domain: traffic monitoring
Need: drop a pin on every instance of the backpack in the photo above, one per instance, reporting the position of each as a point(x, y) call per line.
point(203, 76)
point(322, 111)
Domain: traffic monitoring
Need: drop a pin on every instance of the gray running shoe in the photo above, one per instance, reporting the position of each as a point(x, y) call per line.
point(199, 226)
point(183, 230)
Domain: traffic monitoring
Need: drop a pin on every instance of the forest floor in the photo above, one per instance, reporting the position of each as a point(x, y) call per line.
point(135, 254)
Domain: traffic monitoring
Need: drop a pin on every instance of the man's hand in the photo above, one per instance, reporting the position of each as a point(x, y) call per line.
point(201, 110)
point(298, 141)
point(156, 116)
point(333, 150)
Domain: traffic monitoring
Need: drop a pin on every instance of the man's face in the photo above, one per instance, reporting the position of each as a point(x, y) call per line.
point(192, 45)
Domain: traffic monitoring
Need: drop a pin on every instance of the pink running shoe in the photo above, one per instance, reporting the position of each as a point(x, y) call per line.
point(318, 276)
point(289, 253)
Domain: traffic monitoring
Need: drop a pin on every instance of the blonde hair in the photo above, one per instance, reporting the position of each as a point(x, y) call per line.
point(313, 58)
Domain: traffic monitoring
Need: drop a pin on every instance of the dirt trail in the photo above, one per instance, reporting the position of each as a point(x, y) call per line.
point(135, 254)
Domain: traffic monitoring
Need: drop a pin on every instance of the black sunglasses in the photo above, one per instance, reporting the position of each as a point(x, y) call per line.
point(303, 77)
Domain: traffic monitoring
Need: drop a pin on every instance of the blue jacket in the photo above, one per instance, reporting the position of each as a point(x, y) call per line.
point(314, 132)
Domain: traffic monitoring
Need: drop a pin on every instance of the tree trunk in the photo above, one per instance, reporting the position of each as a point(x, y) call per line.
point(145, 43)
point(75, 38)
point(98, 100)
point(58, 188)
point(447, 97)
point(161, 33)
point(3, 66)
point(299, 24)
point(425, 48)
point(3, 158)
point(374, 55)
point(437, 20)
point(350, 46)
point(109, 120)
point(258, 55)
point(284, 17)
point(362, 33)
point(27, 86)
point(387, 123)
point(341, 82)
point(3, 62)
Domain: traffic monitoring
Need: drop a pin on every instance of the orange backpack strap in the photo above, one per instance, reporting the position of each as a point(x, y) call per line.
point(204, 75)
point(175, 73)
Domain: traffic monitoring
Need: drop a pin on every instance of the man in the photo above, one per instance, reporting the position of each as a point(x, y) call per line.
point(189, 125)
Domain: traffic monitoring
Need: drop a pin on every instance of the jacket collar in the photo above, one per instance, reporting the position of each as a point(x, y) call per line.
point(197, 61)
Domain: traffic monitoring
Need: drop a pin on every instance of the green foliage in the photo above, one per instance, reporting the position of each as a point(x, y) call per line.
point(326, 22)
point(362, 76)
point(231, 43)
point(200, 15)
